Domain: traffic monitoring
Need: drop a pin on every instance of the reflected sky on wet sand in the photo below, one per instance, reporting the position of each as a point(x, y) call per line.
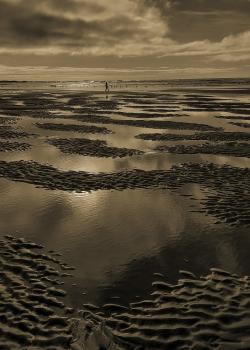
point(117, 240)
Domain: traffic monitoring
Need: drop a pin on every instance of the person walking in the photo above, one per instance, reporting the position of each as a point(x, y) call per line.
point(106, 87)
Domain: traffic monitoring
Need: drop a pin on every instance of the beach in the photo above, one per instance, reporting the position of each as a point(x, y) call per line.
point(125, 215)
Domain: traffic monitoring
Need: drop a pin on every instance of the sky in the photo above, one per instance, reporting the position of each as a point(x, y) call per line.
point(124, 39)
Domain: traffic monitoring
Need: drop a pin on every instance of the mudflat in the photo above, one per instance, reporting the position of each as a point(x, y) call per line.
point(124, 217)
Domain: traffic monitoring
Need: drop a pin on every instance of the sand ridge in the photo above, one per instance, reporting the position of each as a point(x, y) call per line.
point(6, 146)
point(210, 312)
point(94, 148)
point(33, 315)
point(8, 132)
point(235, 149)
point(202, 136)
point(230, 184)
point(242, 125)
point(72, 127)
point(153, 124)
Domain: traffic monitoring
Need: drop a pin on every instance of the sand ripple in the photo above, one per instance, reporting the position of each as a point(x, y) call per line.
point(236, 149)
point(94, 148)
point(203, 136)
point(228, 187)
point(72, 127)
point(211, 312)
point(6, 146)
point(32, 316)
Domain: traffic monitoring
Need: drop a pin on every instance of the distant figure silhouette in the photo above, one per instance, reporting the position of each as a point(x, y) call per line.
point(106, 87)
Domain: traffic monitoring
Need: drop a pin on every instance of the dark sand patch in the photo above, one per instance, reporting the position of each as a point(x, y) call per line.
point(233, 117)
point(94, 148)
point(32, 109)
point(107, 105)
point(228, 148)
point(78, 100)
point(141, 115)
point(137, 96)
point(39, 114)
point(210, 312)
point(228, 187)
point(7, 120)
point(32, 315)
point(141, 103)
point(153, 124)
point(163, 110)
point(91, 129)
point(6, 146)
point(39, 101)
point(219, 106)
point(7, 132)
point(207, 136)
point(242, 125)
point(91, 104)
point(30, 105)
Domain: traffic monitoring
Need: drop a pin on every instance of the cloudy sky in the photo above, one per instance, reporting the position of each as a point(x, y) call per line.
point(124, 39)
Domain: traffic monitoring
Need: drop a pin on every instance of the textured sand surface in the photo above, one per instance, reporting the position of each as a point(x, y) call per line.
point(71, 127)
point(211, 312)
point(32, 315)
point(208, 136)
point(230, 184)
point(196, 313)
point(236, 149)
point(94, 148)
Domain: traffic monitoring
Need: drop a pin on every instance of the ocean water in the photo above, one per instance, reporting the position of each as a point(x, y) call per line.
point(117, 240)
point(230, 84)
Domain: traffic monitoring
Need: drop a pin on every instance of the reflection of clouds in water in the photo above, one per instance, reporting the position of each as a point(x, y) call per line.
point(133, 226)
point(67, 222)
point(123, 136)
point(104, 233)
point(123, 214)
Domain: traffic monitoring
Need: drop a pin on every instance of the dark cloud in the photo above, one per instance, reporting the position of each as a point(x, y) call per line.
point(182, 35)
point(26, 24)
point(72, 5)
point(170, 6)
point(191, 20)
point(84, 23)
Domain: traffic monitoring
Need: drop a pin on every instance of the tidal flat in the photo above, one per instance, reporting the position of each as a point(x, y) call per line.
point(124, 216)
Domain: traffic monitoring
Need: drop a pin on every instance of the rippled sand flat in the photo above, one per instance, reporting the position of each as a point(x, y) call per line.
point(33, 314)
point(145, 191)
point(208, 312)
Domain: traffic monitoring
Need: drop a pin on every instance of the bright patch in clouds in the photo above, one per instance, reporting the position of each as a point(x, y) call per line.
point(192, 36)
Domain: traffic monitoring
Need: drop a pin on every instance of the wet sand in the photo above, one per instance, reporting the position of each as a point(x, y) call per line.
point(196, 313)
point(235, 117)
point(13, 146)
point(210, 312)
point(8, 132)
point(33, 314)
point(211, 136)
point(152, 124)
point(230, 148)
point(231, 183)
point(94, 148)
point(71, 127)
point(243, 125)
point(207, 312)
